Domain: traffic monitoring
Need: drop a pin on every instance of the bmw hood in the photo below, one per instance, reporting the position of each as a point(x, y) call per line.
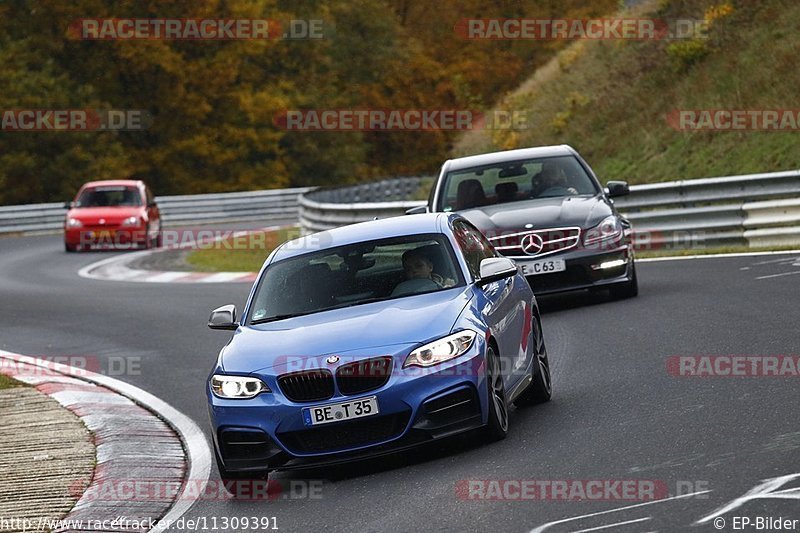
point(401, 321)
point(583, 211)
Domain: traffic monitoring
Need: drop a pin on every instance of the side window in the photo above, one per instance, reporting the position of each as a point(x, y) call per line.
point(473, 245)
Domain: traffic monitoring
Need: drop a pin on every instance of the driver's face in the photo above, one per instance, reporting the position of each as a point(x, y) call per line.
point(417, 267)
point(551, 175)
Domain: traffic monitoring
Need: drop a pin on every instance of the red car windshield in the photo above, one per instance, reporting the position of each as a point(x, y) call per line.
point(109, 197)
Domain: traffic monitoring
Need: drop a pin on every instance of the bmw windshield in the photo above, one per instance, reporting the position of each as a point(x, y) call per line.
point(355, 274)
point(514, 181)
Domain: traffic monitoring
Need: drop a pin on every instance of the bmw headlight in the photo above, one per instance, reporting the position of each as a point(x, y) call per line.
point(131, 221)
point(237, 387)
point(441, 350)
point(609, 228)
point(74, 223)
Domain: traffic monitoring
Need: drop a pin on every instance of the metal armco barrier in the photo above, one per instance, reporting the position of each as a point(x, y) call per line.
point(751, 210)
point(328, 208)
point(277, 204)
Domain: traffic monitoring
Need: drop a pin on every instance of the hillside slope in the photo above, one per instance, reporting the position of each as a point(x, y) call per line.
point(610, 99)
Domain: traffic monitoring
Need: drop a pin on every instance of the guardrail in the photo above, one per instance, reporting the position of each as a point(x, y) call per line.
point(268, 205)
point(328, 208)
point(749, 210)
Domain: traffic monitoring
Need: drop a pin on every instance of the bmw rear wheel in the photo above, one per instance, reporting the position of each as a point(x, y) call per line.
point(541, 388)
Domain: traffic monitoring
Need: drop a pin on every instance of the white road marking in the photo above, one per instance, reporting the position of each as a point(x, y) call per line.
point(714, 256)
point(223, 277)
point(598, 528)
point(197, 450)
point(166, 277)
point(764, 491)
point(779, 275)
point(565, 520)
point(68, 397)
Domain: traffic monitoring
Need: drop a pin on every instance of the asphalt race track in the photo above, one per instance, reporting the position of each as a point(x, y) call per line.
point(616, 414)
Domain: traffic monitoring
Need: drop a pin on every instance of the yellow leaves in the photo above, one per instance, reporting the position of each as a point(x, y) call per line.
point(717, 12)
point(574, 102)
point(571, 54)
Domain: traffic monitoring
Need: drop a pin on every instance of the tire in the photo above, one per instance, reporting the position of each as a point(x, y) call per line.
point(241, 485)
point(159, 240)
point(628, 289)
point(497, 424)
point(70, 248)
point(541, 388)
point(148, 242)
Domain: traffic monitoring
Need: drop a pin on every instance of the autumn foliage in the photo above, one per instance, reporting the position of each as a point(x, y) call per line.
point(213, 103)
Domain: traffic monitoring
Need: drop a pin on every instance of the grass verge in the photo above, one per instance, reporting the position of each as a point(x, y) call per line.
point(8, 383)
point(240, 254)
point(611, 99)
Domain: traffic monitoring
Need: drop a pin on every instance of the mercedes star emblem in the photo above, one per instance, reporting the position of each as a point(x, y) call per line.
point(531, 244)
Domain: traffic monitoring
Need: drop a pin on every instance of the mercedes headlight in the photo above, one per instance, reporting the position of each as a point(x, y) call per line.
point(441, 350)
point(237, 387)
point(609, 228)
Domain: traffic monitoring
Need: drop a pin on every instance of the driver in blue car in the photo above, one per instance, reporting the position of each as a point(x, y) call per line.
point(551, 181)
point(420, 276)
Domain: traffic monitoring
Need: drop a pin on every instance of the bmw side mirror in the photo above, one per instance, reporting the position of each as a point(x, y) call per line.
point(420, 209)
point(496, 268)
point(617, 188)
point(223, 318)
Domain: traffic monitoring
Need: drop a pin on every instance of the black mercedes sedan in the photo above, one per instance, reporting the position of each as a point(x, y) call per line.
point(545, 208)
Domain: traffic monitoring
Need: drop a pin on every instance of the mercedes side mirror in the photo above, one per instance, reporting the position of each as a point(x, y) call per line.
point(617, 188)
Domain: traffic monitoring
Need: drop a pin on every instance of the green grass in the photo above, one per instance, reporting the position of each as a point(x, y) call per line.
point(610, 99)
point(244, 254)
point(8, 383)
point(645, 254)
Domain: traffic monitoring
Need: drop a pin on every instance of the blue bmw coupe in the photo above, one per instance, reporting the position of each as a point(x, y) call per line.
point(371, 338)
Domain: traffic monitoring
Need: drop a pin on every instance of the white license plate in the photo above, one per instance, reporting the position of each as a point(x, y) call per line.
point(336, 412)
point(544, 266)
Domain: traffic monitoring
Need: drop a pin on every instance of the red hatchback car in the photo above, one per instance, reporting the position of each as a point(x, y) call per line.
point(114, 213)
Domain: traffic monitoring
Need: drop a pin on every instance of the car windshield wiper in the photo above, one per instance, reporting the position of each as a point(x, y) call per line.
point(338, 306)
point(356, 302)
point(281, 317)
